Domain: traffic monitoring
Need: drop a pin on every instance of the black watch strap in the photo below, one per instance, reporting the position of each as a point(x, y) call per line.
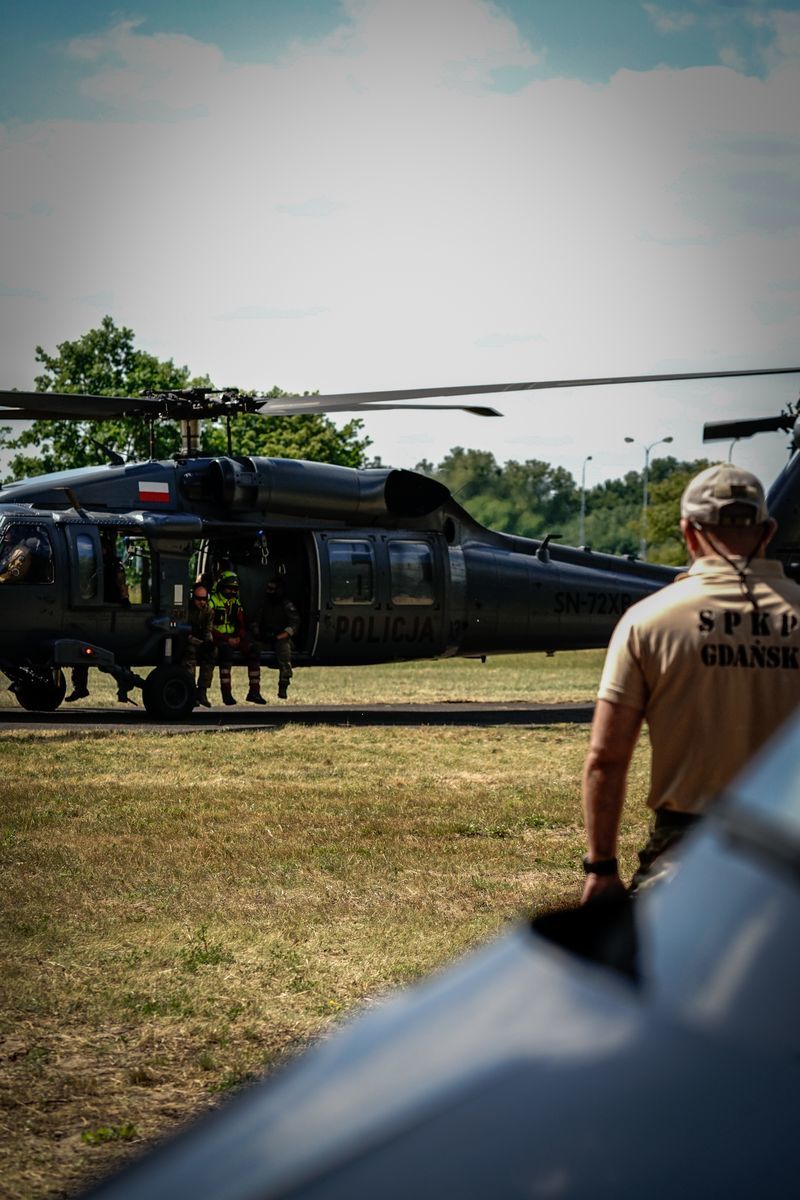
point(600, 866)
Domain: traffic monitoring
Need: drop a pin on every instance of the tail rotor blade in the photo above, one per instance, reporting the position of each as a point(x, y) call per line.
point(715, 431)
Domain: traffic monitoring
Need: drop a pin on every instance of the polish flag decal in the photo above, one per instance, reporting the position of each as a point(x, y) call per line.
point(153, 493)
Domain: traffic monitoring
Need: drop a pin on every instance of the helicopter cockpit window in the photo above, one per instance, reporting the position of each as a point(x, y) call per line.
point(352, 572)
point(88, 573)
point(411, 566)
point(26, 554)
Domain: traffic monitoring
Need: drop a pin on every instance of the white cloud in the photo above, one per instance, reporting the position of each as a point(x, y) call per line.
point(498, 341)
point(455, 43)
point(255, 312)
point(731, 56)
point(314, 206)
point(669, 21)
point(785, 29)
point(93, 49)
point(451, 233)
point(147, 76)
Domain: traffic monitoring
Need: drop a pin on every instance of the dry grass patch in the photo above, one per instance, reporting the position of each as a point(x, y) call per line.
point(182, 911)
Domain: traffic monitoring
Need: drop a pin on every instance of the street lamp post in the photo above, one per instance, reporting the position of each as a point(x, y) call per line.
point(582, 534)
point(645, 478)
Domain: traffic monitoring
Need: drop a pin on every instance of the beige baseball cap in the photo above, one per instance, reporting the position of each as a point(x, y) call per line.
point(725, 495)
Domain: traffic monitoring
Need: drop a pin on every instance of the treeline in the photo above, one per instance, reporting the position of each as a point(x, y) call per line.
point(531, 498)
point(106, 362)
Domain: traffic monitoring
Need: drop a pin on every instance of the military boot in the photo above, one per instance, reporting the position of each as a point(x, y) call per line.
point(283, 688)
point(202, 698)
point(254, 684)
point(225, 685)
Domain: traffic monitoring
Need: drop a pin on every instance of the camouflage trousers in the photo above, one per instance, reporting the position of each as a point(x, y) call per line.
point(283, 655)
point(656, 858)
point(282, 648)
point(202, 656)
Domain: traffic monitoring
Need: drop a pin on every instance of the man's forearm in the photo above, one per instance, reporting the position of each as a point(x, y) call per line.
point(615, 730)
point(603, 798)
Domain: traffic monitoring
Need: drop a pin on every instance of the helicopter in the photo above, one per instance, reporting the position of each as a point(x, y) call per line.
point(383, 564)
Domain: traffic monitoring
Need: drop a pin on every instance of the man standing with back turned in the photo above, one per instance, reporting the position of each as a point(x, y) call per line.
point(711, 662)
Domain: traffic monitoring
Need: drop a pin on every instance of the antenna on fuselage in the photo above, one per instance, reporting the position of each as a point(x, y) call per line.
point(75, 502)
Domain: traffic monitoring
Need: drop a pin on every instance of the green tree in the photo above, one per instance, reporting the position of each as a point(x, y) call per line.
point(609, 529)
point(529, 498)
point(617, 493)
point(467, 473)
point(546, 493)
point(664, 511)
point(614, 511)
point(311, 436)
point(533, 498)
point(105, 362)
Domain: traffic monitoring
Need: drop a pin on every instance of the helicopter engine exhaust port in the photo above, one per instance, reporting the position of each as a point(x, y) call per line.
point(39, 691)
point(169, 693)
point(295, 488)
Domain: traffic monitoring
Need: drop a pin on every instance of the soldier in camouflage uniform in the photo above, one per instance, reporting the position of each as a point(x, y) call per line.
point(275, 625)
point(198, 649)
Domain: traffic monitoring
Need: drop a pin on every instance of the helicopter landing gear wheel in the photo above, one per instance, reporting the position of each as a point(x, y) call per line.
point(40, 691)
point(169, 693)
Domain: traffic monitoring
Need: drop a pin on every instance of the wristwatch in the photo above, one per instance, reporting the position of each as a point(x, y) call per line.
point(600, 866)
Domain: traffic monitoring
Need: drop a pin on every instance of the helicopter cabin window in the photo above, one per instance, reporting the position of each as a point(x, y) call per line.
point(87, 566)
point(411, 566)
point(26, 554)
point(137, 564)
point(352, 572)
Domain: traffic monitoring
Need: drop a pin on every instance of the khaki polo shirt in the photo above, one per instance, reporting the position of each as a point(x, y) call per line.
point(712, 676)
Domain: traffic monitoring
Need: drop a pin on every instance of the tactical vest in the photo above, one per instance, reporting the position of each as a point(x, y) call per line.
point(225, 614)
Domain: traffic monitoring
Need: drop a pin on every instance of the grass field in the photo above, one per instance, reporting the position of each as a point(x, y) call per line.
point(571, 675)
point(183, 910)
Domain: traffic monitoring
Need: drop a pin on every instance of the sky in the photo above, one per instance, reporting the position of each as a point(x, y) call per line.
point(343, 195)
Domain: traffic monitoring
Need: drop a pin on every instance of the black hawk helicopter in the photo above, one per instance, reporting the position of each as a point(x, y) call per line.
point(383, 564)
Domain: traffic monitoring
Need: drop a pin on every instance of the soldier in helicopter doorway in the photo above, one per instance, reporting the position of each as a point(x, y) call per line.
point(274, 627)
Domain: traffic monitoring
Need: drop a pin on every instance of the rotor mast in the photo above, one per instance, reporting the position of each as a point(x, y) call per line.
point(190, 406)
point(190, 437)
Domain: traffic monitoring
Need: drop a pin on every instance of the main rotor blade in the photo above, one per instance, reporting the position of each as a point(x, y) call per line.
point(60, 406)
point(313, 404)
point(352, 400)
point(195, 403)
